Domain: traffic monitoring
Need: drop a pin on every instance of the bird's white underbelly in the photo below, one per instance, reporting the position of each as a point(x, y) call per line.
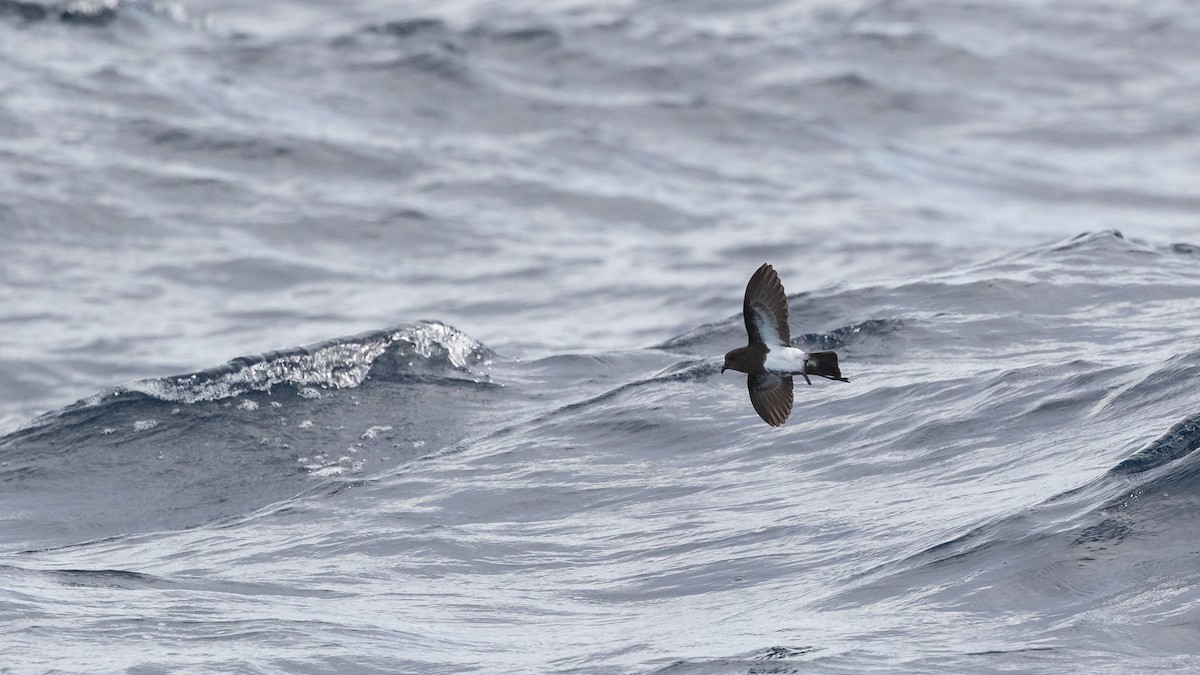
point(785, 360)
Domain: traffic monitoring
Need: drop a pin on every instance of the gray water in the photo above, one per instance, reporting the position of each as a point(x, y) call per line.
point(489, 255)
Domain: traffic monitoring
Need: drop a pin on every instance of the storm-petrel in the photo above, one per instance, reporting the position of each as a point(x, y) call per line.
point(770, 361)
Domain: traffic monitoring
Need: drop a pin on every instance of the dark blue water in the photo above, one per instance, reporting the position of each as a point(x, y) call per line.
point(535, 221)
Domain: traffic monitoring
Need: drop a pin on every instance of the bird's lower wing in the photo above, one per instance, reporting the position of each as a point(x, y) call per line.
point(771, 396)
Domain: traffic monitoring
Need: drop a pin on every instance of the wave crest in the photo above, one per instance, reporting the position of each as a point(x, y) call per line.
point(423, 348)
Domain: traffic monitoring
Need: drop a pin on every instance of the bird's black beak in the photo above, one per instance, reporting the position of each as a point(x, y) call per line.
point(723, 369)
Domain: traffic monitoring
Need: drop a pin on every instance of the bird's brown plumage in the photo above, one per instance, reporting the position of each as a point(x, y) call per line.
point(771, 396)
point(765, 311)
point(765, 308)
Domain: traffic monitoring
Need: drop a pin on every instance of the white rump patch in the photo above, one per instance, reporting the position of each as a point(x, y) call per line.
point(785, 360)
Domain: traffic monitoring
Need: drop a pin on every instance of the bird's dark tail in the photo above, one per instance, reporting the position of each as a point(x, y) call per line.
point(824, 364)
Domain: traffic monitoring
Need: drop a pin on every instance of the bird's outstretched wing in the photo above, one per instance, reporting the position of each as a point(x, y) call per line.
point(765, 309)
point(771, 396)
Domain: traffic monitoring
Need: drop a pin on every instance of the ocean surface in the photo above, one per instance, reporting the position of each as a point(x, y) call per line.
point(364, 336)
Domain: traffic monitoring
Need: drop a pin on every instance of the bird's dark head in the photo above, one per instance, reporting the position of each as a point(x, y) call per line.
point(733, 360)
point(748, 359)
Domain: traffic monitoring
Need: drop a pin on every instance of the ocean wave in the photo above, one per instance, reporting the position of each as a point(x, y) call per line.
point(227, 441)
point(93, 12)
point(429, 348)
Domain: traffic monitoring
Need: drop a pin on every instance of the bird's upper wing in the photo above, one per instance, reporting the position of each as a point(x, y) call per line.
point(771, 396)
point(765, 309)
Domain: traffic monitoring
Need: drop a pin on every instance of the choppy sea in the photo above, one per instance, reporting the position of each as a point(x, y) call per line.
point(385, 336)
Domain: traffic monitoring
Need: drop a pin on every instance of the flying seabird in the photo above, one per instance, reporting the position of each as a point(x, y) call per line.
point(770, 361)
